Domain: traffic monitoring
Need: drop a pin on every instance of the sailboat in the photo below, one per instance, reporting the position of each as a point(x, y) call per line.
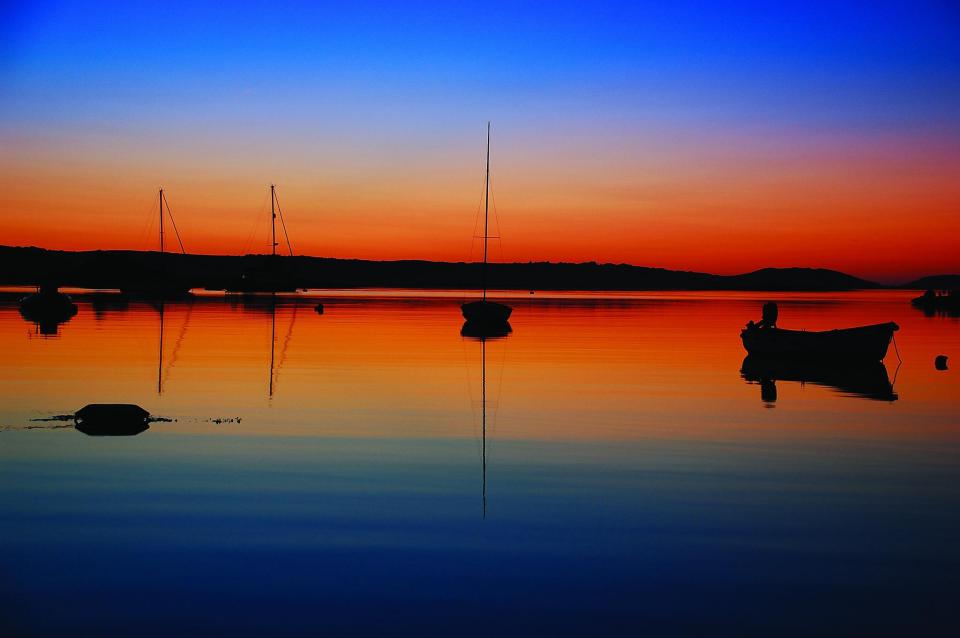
point(270, 274)
point(47, 309)
point(486, 313)
point(145, 282)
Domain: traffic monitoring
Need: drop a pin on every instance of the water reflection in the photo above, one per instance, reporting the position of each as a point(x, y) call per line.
point(632, 449)
point(482, 332)
point(276, 362)
point(865, 380)
point(164, 372)
point(47, 309)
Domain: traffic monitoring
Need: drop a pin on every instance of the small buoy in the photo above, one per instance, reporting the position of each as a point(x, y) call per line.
point(319, 308)
point(531, 292)
point(940, 363)
point(111, 419)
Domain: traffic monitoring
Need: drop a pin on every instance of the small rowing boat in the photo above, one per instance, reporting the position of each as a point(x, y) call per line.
point(863, 343)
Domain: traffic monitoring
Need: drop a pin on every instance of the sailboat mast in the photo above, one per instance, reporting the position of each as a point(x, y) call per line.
point(161, 220)
point(273, 223)
point(486, 215)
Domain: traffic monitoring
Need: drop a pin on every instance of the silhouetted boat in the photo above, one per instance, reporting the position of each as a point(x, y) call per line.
point(111, 419)
point(866, 379)
point(268, 274)
point(486, 312)
point(932, 302)
point(47, 309)
point(485, 330)
point(863, 343)
point(48, 300)
point(156, 282)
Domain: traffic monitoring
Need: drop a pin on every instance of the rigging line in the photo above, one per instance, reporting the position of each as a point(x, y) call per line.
point(282, 224)
point(176, 344)
point(465, 345)
point(254, 226)
point(273, 338)
point(496, 218)
point(476, 224)
point(172, 221)
point(283, 348)
point(147, 222)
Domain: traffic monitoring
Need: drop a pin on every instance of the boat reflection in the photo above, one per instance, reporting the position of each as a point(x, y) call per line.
point(483, 332)
point(163, 372)
point(275, 361)
point(866, 380)
point(47, 309)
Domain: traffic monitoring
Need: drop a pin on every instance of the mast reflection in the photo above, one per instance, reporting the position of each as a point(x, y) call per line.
point(483, 332)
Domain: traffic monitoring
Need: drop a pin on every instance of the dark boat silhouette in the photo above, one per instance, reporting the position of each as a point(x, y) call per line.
point(485, 330)
point(863, 343)
point(47, 309)
point(155, 281)
point(483, 312)
point(867, 379)
point(932, 303)
point(111, 419)
point(268, 273)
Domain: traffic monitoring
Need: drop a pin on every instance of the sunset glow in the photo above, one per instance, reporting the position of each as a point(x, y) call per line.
point(721, 140)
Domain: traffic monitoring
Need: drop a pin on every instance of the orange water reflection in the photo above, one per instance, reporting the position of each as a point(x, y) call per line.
point(393, 365)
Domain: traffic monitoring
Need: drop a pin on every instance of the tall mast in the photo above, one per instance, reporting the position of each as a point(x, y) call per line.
point(486, 216)
point(161, 220)
point(273, 223)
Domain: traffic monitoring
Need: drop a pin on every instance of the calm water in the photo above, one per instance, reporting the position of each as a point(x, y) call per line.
point(334, 482)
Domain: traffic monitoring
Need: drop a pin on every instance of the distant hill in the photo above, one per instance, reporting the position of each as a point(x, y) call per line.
point(125, 269)
point(935, 282)
point(799, 279)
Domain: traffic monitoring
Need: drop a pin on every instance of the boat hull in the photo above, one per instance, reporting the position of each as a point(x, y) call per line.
point(47, 310)
point(484, 312)
point(863, 343)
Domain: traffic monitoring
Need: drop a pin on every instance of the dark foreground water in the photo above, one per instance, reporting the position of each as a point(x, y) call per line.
point(324, 474)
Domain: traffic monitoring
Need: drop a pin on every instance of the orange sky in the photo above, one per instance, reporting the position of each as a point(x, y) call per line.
point(878, 209)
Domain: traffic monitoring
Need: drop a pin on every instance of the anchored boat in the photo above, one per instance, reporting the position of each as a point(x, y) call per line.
point(271, 273)
point(863, 343)
point(486, 313)
point(155, 280)
point(47, 308)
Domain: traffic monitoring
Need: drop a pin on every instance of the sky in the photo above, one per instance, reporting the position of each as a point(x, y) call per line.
point(721, 137)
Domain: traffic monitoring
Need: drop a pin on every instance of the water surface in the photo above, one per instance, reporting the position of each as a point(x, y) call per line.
point(324, 473)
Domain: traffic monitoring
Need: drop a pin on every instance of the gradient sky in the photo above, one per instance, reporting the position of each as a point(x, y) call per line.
point(723, 138)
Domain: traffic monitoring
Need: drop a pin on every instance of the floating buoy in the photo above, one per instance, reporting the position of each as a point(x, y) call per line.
point(940, 363)
point(111, 419)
